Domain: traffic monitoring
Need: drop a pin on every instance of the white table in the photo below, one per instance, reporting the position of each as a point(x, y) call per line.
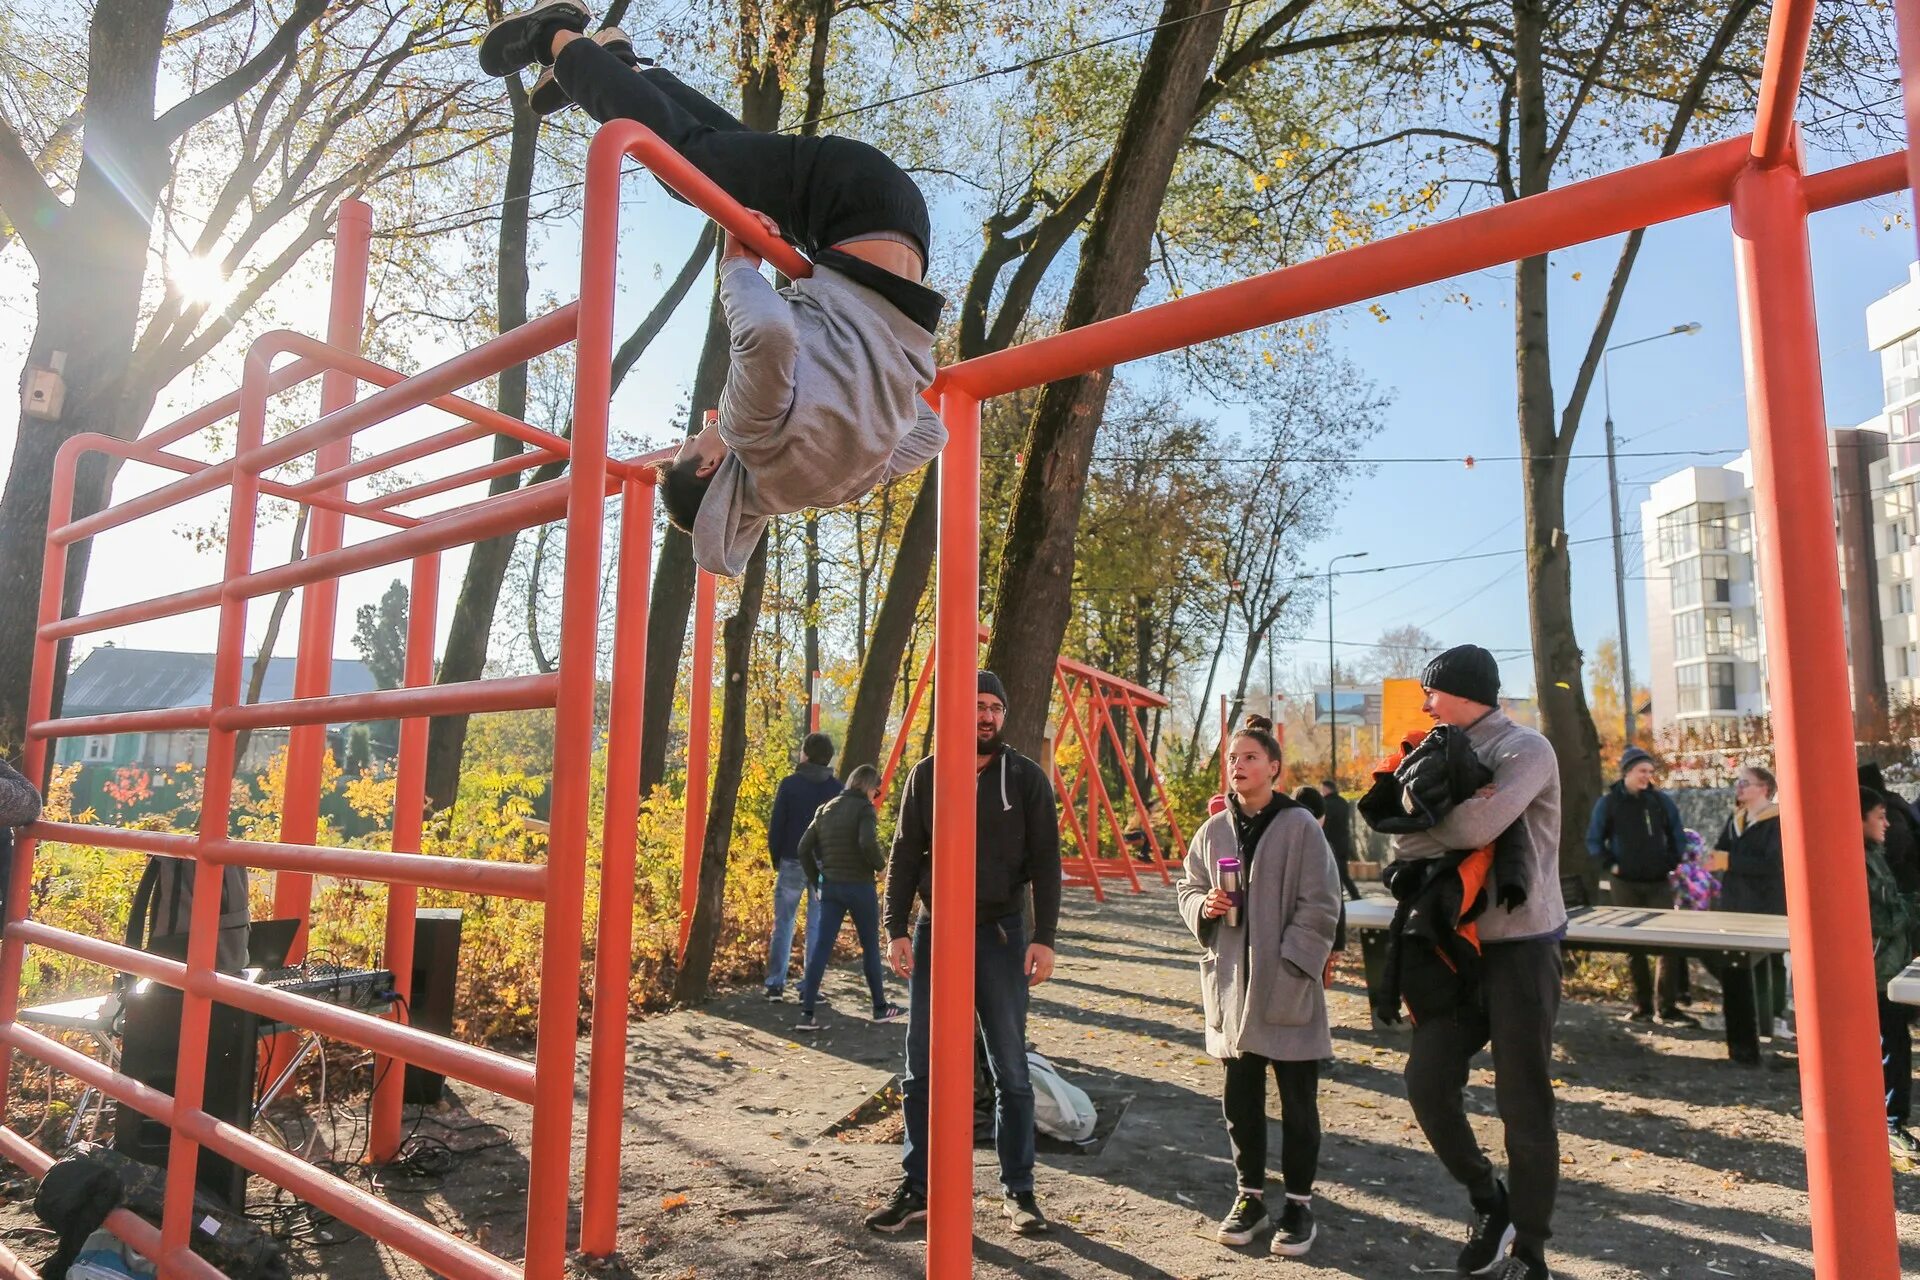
point(1905, 989)
point(94, 1015)
point(1636, 928)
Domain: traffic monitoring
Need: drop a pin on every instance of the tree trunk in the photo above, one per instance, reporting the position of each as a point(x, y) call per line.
point(1558, 687)
point(465, 656)
point(91, 260)
point(690, 984)
point(892, 628)
point(1033, 599)
point(810, 639)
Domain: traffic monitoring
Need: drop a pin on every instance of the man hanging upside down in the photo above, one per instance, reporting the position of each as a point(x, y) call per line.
point(822, 400)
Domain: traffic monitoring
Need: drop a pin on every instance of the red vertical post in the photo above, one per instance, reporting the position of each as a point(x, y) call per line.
point(203, 922)
point(920, 687)
point(1907, 15)
point(1849, 1181)
point(813, 702)
point(319, 602)
point(956, 646)
point(1079, 837)
point(1100, 700)
point(613, 952)
point(1159, 784)
point(409, 815)
point(699, 740)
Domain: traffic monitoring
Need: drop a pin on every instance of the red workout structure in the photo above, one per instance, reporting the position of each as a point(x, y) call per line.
point(1760, 177)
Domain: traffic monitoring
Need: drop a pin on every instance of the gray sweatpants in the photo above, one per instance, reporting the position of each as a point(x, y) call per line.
point(1519, 999)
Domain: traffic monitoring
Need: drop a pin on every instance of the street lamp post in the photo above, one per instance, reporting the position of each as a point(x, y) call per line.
point(1613, 500)
point(1333, 684)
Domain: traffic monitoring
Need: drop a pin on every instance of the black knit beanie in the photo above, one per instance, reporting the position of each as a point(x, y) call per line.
point(1466, 671)
point(990, 683)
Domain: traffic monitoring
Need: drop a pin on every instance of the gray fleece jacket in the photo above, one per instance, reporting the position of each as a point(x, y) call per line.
point(1526, 789)
point(822, 404)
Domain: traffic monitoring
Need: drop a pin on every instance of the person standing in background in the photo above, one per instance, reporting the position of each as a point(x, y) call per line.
point(1338, 826)
point(799, 796)
point(1636, 835)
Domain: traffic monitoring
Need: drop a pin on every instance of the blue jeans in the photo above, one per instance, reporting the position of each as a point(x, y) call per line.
point(787, 888)
point(1000, 1000)
point(838, 900)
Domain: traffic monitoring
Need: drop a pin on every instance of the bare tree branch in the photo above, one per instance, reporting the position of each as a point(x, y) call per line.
point(30, 206)
point(230, 88)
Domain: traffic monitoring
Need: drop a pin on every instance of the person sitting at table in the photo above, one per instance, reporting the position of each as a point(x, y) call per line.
point(1753, 879)
point(1895, 919)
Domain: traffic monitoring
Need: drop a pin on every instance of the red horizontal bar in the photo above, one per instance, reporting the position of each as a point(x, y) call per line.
point(461, 479)
point(142, 1235)
point(483, 1067)
point(514, 693)
point(1658, 191)
point(291, 374)
point(1863, 180)
point(159, 720)
point(1109, 680)
point(376, 1217)
point(426, 446)
point(168, 844)
point(127, 615)
point(507, 513)
point(423, 870)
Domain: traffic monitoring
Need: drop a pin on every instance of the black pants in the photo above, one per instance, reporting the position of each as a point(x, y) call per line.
point(1656, 895)
point(1750, 988)
point(1519, 1000)
point(1245, 1106)
point(1896, 1059)
point(821, 190)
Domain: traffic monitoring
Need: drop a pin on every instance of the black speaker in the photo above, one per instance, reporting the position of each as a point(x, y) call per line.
point(436, 965)
point(149, 1053)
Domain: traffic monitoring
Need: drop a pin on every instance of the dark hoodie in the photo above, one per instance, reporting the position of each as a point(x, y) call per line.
point(1903, 830)
point(799, 797)
point(1636, 835)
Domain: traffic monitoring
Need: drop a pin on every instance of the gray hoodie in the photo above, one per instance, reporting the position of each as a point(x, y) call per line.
point(1526, 790)
point(822, 404)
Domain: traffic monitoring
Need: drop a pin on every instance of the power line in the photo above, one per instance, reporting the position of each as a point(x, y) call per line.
point(1331, 459)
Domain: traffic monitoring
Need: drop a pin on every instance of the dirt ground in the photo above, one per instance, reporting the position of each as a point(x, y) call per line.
point(1675, 1163)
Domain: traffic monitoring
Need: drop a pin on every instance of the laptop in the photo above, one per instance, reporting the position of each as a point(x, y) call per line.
point(269, 941)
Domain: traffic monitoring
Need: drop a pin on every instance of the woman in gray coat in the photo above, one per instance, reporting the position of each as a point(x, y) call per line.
point(1260, 980)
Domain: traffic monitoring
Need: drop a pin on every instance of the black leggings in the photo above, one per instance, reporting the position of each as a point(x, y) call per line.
point(1245, 1106)
point(822, 191)
point(1896, 1059)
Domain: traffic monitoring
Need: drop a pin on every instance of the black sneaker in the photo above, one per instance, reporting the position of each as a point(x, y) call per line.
point(1247, 1220)
point(1519, 1267)
point(809, 1021)
point(1638, 1015)
point(1487, 1239)
point(776, 994)
point(1677, 1017)
point(892, 1013)
point(1294, 1236)
point(548, 97)
point(905, 1205)
point(520, 39)
point(1023, 1213)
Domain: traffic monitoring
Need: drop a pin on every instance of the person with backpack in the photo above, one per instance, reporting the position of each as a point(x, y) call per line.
point(1636, 835)
point(1261, 894)
point(840, 854)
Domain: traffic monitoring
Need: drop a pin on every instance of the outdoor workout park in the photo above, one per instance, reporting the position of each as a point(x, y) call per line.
point(1759, 176)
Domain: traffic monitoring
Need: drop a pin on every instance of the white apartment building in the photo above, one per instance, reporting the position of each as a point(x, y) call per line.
point(1706, 641)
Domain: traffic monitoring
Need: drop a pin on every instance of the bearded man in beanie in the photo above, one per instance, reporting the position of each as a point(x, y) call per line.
point(1636, 835)
point(1519, 990)
point(1016, 845)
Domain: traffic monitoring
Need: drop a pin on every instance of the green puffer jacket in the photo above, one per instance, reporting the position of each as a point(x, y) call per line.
point(843, 844)
point(1895, 919)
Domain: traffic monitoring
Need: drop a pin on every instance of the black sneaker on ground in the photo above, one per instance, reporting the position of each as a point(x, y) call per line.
point(548, 97)
point(776, 994)
point(1638, 1015)
point(905, 1205)
point(1294, 1236)
point(1677, 1017)
point(520, 39)
point(1487, 1239)
point(1247, 1219)
point(809, 1021)
point(1023, 1213)
point(892, 1013)
point(1519, 1267)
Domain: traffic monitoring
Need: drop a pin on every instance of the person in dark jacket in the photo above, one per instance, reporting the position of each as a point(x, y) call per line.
point(1903, 830)
point(1637, 836)
point(795, 801)
point(1752, 879)
point(1339, 829)
point(1894, 919)
point(840, 854)
point(1016, 845)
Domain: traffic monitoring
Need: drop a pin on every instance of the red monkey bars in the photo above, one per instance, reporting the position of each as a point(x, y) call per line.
point(1760, 177)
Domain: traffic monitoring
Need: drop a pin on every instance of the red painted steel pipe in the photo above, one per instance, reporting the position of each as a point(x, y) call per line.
point(464, 697)
point(693, 822)
point(1159, 784)
point(1907, 19)
point(1097, 699)
point(168, 844)
point(1067, 811)
point(1097, 799)
point(550, 1150)
point(159, 720)
point(142, 1235)
point(613, 945)
point(461, 479)
point(422, 870)
point(1849, 1182)
point(447, 1255)
point(1658, 191)
point(1863, 180)
point(1786, 64)
point(899, 751)
point(409, 818)
point(290, 374)
point(127, 615)
point(956, 641)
